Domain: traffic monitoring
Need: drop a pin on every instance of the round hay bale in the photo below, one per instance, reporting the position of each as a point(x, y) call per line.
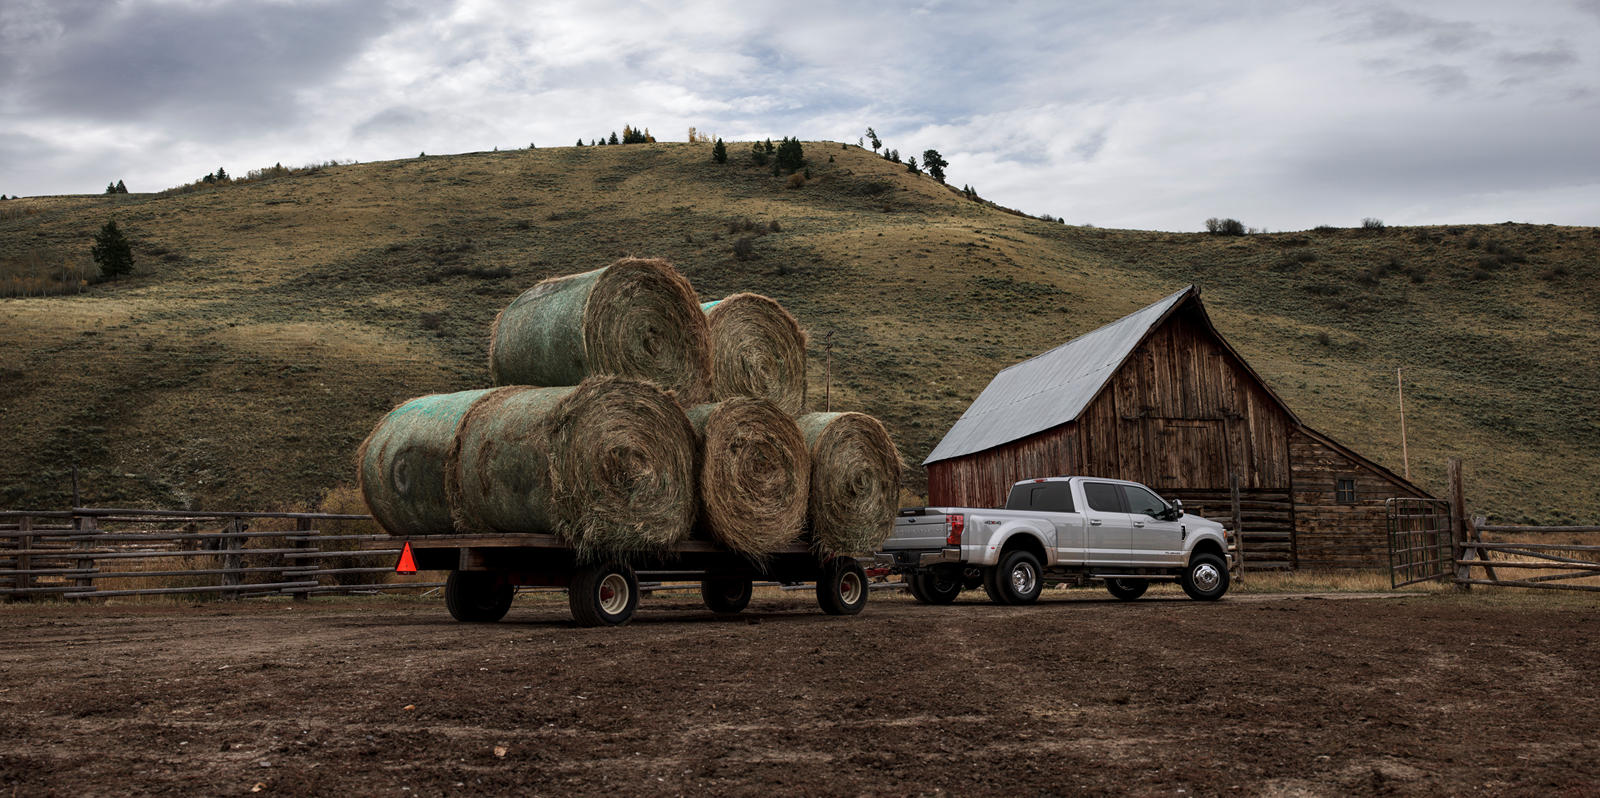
point(757, 349)
point(636, 318)
point(754, 474)
point(401, 464)
point(497, 477)
point(855, 481)
point(607, 467)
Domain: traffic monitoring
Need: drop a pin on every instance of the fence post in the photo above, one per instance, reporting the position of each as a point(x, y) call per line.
point(24, 579)
point(86, 525)
point(230, 558)
point(1458, 526)
point(1238, 526)
point(302, 526)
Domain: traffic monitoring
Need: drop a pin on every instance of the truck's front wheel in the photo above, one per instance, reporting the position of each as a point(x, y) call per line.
point(1206, 578)
point(1016, 580)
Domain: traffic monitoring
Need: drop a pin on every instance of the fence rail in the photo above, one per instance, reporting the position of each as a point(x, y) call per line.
point(90, 553)
point(1495, 563)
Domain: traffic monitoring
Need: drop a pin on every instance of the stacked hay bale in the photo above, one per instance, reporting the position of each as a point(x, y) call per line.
point(628, 417)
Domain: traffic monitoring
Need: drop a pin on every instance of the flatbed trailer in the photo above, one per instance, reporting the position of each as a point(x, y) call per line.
point(486, 570)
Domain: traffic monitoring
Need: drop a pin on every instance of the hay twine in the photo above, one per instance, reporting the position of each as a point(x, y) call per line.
point(400, 467)
point(636, 318)
point(855, 481)
point(622, 457)
point(754, 474)
point(757, 349)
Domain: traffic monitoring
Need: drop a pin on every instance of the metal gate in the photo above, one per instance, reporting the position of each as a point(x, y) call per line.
point(1420, 544)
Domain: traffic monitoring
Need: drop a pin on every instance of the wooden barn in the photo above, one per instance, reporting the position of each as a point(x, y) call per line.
point(1160, 398)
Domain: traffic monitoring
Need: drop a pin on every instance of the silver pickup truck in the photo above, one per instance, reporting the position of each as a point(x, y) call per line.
point(1060, 529)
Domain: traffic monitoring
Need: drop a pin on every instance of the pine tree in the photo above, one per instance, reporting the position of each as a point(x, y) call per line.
point(872, 138)
point(111, 251)
point(222, 175)
point(719, 152)
point(911, 164)
point(613, 139)
point(580, 141)
point(111, 188)
point(758, 154)
point(934, 163)
point(791, 155)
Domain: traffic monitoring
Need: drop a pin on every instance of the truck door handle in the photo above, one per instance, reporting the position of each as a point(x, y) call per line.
point(1138, 523)
point(1094, 522)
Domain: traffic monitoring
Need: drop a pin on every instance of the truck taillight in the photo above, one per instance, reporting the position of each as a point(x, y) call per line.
point(957, 524)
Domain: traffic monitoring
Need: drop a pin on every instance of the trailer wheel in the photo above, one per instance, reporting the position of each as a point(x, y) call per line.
point(1127, 589)
point(1206, 578)
point(477, 596)
point(726, 595)
point(842, 588)
point(936, 588)
point(603, 595)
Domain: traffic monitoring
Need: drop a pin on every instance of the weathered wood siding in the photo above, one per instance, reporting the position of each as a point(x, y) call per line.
point(984, 479)
point(1331, 534)
point(1182, 414)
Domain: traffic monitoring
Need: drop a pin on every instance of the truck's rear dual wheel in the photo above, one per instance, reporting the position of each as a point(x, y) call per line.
point(726, 595)
point(1018, 579)
point(934, 588)
point(842, 587)
point(477, 596)
point(603, 595)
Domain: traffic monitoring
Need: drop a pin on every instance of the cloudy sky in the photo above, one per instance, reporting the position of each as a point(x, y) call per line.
point(1138, 114)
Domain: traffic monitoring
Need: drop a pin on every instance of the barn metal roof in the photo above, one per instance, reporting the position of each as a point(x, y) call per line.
point(1050, 389)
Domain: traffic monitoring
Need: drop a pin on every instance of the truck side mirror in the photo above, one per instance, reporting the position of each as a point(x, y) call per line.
point(1176, 510)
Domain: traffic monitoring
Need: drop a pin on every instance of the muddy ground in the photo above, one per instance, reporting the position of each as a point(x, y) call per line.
point(1253, 695)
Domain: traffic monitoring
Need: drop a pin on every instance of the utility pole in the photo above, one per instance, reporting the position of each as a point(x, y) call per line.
point(1405, 456)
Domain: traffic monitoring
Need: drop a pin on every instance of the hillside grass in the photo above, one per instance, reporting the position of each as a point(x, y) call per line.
point(269, 324)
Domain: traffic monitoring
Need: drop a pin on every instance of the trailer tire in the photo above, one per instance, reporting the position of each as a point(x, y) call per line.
point(603, 595)
point(1127, 589)
point(1206, 578)
point(726, 595)
point(477, 596)
point(936, 588)
point(842, 588)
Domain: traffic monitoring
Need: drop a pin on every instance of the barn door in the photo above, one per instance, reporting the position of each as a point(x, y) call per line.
point(1188, 453)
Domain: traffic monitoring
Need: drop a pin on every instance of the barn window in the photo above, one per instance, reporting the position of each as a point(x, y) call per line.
point(1344, 491)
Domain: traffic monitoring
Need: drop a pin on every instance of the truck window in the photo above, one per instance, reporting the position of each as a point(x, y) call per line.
point(1050, 497)
point(1143, 502)
point(1104, 497)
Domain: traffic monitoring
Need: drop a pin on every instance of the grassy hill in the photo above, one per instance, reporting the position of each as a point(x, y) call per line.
point(269, 324)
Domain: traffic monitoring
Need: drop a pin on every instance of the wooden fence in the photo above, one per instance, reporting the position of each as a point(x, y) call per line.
point(101, 553)
point(1516, 561)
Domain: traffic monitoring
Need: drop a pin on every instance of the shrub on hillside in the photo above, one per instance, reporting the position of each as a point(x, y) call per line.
point(796, 180)
point(1371, 223)
point(744, 248)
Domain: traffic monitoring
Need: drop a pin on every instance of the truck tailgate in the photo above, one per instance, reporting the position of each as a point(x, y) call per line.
point(918, 528)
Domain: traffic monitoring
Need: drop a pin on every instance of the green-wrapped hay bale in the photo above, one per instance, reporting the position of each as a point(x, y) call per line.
point(497, 477)
point(754, 474)
point(855, 481)
point(401, 465)
point(608, 466)
point(636, 318)
point(757, 349)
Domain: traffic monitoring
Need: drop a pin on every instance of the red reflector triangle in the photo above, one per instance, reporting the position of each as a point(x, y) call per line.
point(407, 564)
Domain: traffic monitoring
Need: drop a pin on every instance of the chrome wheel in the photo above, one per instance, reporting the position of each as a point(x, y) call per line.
point(1024, 578)
point(1207, 577)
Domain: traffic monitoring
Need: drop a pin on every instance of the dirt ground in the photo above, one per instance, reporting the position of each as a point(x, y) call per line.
point(1252, 695)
